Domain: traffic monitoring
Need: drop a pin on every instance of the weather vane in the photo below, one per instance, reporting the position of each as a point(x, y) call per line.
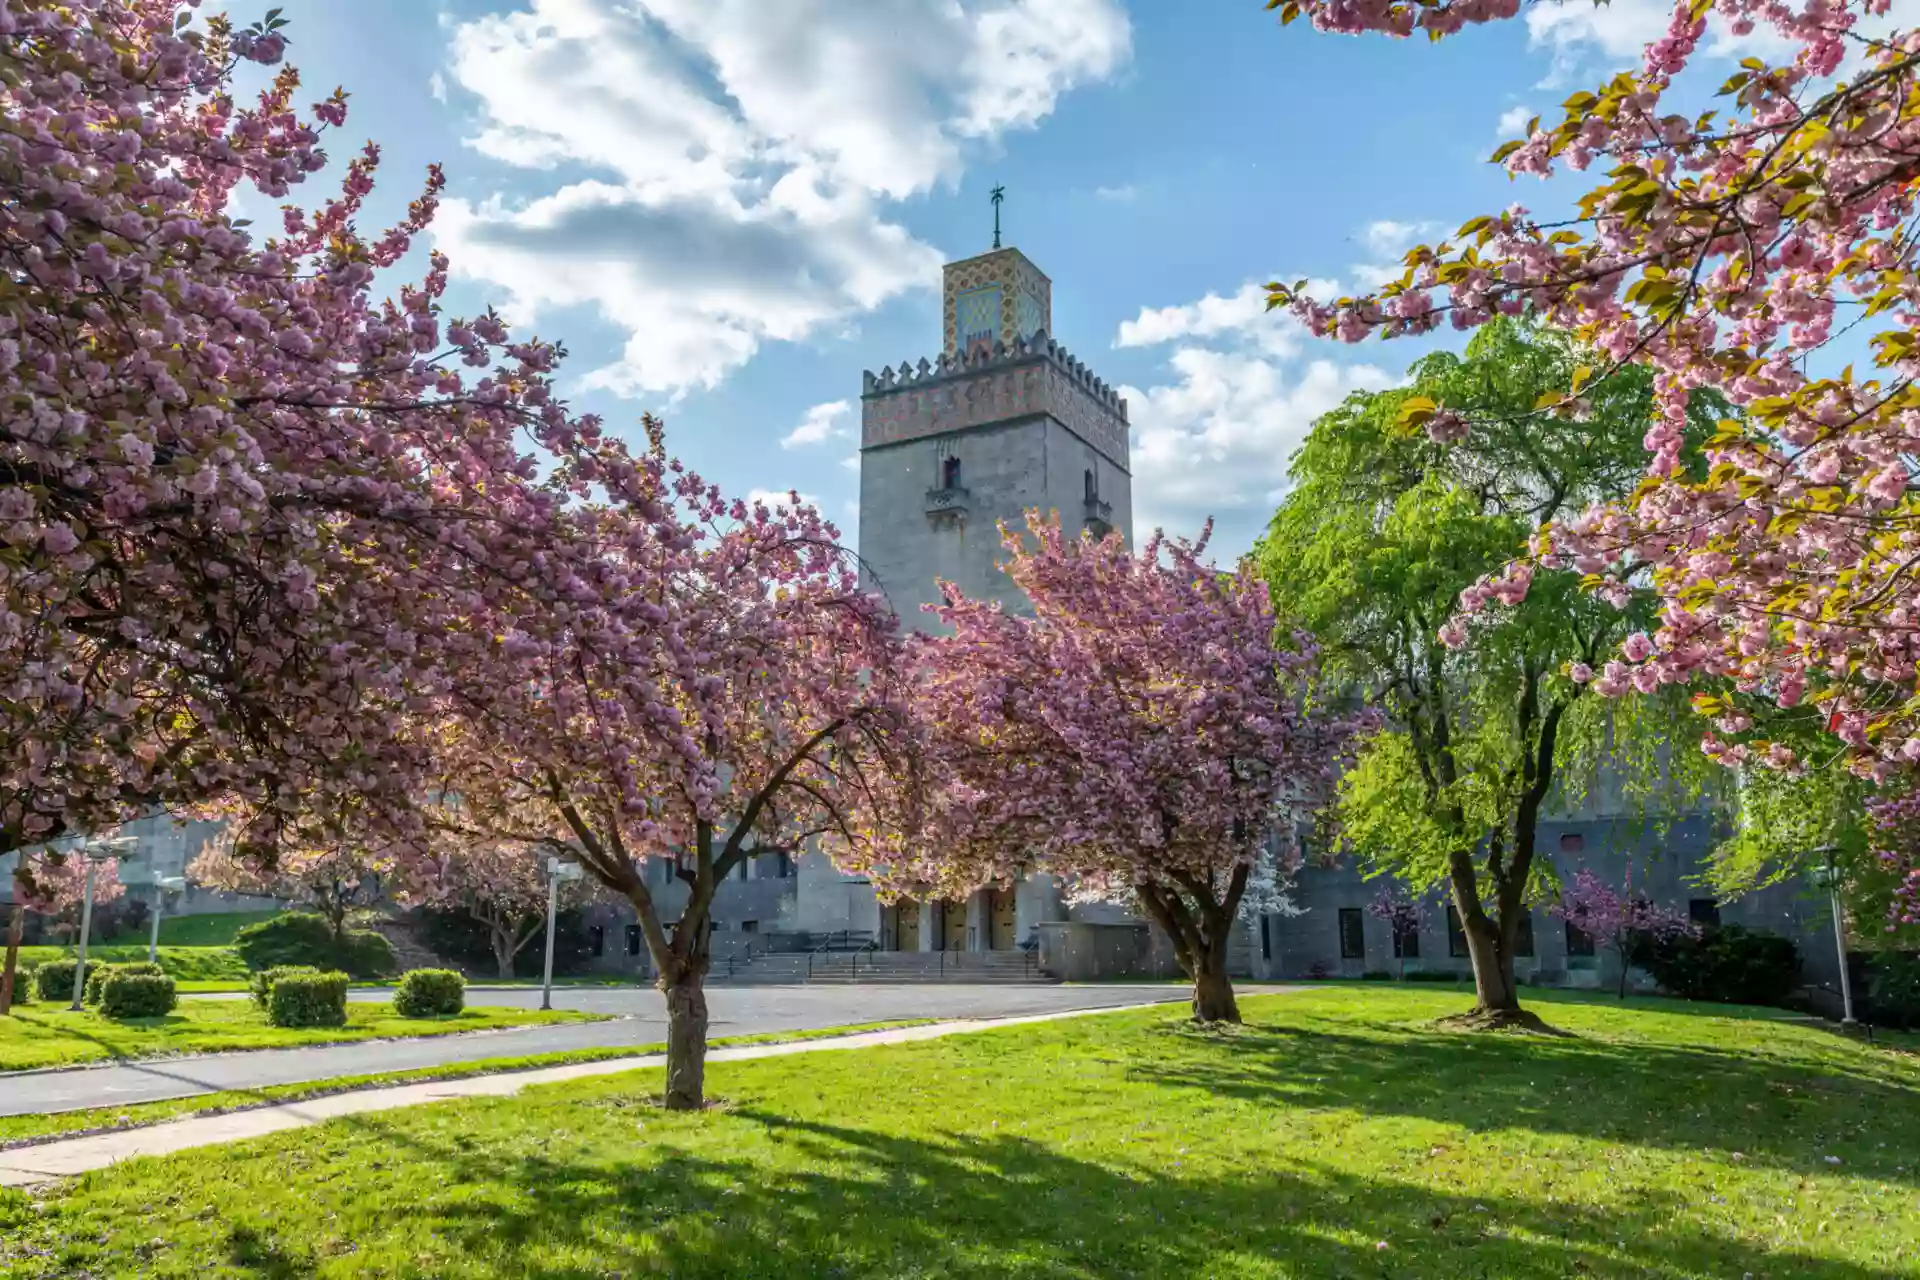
point(999, 194)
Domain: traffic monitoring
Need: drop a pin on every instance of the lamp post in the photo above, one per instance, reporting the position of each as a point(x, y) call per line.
point(1827, 876)
point(558, 870)
point(163, 888)
point(95, 852)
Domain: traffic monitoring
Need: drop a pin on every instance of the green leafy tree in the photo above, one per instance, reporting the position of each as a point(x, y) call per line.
point(1391, 519)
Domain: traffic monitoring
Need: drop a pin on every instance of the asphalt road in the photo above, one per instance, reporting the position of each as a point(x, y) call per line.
point(642, 1021)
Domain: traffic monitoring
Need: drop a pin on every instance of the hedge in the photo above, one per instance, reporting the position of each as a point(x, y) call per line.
point(97, 975)
point(54, 979)
point(306, 939)
point(137, 995)
point(1725, 964)
point(430, 993)
point(308, 1000)
point(260, 986)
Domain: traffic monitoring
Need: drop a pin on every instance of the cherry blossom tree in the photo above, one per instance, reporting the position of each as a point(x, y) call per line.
point(1403, 914)
point(332, 879)
point(719, 687)
point(1748, 252)
point(1141, 734)
point(501, 884)
point(55, 885)
point(1616, 918)
point(243, 505)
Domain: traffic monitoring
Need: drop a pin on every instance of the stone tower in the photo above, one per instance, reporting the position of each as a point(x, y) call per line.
point(1003, 421)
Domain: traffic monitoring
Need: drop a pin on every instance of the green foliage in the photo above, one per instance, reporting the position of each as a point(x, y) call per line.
point(308, 1000)
point(430, 993)
point(98, 974)
point(126, 994)
point(1381, 533)
point(1894, 989)
point(1725, 964)
point(301, 938)
point(187, 964)
point(260, 986)
point(1435, 975)
point(1376, 975)
point(53, 980)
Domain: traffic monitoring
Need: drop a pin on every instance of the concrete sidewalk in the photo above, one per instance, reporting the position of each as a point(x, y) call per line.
point(49, 1161)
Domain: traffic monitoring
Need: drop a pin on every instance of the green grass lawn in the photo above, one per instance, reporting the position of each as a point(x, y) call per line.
point(215, 930)
point(22, 1130)
point(194, 964)
point(49, 1035)
point(1337, 1135)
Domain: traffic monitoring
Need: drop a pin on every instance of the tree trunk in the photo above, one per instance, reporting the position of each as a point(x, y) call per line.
point(1494, 989)
point(16, 921)
point(1213, 990)
point(503, 951)
point(685, 990)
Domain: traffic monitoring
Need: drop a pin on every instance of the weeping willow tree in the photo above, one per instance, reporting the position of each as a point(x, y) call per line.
point(1382, 530)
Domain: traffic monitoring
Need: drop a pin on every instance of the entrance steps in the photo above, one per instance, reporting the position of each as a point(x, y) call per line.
point(790, 968)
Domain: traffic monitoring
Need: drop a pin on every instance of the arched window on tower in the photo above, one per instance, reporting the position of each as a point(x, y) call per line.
point(950, 472)
point(1093, 488)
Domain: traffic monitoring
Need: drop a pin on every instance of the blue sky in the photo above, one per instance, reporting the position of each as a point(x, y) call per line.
point(726, 209)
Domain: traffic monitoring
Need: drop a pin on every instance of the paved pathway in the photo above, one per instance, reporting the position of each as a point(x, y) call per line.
point(46, 1162)
point(734, 1011)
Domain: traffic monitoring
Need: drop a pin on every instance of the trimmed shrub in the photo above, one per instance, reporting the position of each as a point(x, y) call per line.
point(430, 993)
point(302, 938)
point(308, 1000)
point(1376, 975)
point(1725, 964)
point(23, 986)
point(368, 955)
point(137, 995)
point(54, 979)
point(97, 975)
point(260, 986)
point(1894, 989)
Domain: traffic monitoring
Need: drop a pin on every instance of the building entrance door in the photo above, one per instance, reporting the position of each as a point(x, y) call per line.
point(1001, 918)
point(953, 926)
point(911, 917)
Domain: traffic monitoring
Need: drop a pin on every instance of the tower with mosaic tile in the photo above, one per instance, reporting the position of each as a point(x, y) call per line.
point(1003, 420)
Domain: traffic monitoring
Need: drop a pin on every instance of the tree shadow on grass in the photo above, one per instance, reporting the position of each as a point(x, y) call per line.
point(1659, 1096)
point(866, 1203)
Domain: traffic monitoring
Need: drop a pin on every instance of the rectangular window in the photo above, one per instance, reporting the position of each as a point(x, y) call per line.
point(1572, 842)
point(1406, 944)
point(666, 870)
point(1523, 935)
point(1266, 937)
point(1579, 943)
point(749, 926)
point(597, 939)
point(1703, 911)
point(1353, 938)
point(786, 866)
point(1456, 934)
point(633, 939)
point(743, 869)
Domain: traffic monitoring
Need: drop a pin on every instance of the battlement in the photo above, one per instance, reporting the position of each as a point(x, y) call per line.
point(1031, 378)
point(1025, 350)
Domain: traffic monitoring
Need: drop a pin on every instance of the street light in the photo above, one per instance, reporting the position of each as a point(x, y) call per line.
point(1827, 876)
point(558, 870)
point(95, 852)
point(163, 888)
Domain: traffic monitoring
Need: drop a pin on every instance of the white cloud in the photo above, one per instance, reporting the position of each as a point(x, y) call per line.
point(1243, 315)
point(1513, 121)
point(723, 170)
point(851, 462)
point(1388, 237)
point(1121, 194)
point(437, 86)
point(823, 422)
point(1216, 438)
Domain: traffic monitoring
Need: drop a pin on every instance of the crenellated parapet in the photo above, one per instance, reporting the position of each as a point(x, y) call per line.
point(1007, 381)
